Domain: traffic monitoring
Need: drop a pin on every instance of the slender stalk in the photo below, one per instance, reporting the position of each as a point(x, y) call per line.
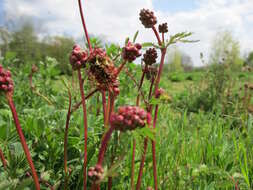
point(75, 107)
point(3, 159)
point(133, 164)
point(84, 25)
point(138, 185)
point(154, 151)
point(66, 142)
point(134, 141)
point(23, 141)
point(157, 35)
point(85, 129)
point(104, 143)
point(104, 104)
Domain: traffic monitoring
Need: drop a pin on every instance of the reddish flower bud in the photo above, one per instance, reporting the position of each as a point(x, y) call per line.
point(129, 118)
point(147, 18)
point(78, 58)
point(150, 56)
point(6, 83)
point(159, 92)
point(163, 28)
point(96, 173)
point(131, 51)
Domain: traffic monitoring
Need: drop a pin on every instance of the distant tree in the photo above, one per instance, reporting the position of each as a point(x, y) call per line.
point(249, 60)
point(5, 37)
point(24, 43)
point(225, 49)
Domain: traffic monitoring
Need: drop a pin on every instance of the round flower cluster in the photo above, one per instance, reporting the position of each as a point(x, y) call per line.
point(150, 56)
point(129, 118)
point(147, 18)
point(103, 71)
point(159, 92)
point(78, 58)
point(163, 28)
point(6, 83)
point(96, 54)
point(131, 51)
point(96, 173)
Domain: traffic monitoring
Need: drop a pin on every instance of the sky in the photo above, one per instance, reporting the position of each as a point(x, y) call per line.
point(114, 20)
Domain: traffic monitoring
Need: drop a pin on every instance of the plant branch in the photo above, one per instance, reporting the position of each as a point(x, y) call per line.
point(22, 139)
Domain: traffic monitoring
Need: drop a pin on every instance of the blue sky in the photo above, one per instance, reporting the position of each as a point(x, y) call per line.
point(115, 20)
point(1, 12)
point(175, 5)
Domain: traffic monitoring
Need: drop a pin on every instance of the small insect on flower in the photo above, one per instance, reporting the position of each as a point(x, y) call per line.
point(6, 82)
point(131, 51)
point(130, 118)
point(147, 18)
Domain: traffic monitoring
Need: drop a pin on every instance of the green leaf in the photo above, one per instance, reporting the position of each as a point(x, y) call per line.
point(136, 35)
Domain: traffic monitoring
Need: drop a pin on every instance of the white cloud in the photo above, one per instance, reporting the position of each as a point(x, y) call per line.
point(117, 19)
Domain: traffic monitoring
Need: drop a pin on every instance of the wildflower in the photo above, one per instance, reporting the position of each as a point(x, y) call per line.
point(159, 92)
point(130, 118)
point(131, 51)
point(163, 28)
point(96, 173)
point(103, 71)
point(150, 56)
point(6, 82)
point(78, 58)
point(151, 72)
point(147, 18)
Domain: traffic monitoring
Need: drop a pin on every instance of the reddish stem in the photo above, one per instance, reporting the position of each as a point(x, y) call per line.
point(163, 37)
point(66, 141)
point(120, 68)
point(85, 128)
point(157, 35)
point(104, 144)
point(160, 69)
point(23, 141)
point(3, 159)
point(154, 152)
point(84, 25)
point(104, 104)
point(134, 141)
point(110, 183)
point(133, 164)
point(75, 107)
point(138, 185)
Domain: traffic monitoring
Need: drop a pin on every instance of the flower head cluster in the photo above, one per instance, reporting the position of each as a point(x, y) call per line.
point(130, 118)
point(96, 173)
point(6, 83)
point(78, 58)
point(149, 58)
point(131, 51)
point(163, 28)
point(159, 92)
point(103, 71)
point(147, 18)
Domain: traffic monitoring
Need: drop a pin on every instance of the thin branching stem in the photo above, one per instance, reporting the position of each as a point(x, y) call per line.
point(23, 141)
point(3, 159)
point(84, 25)
point(66, 142)
point(85, 128)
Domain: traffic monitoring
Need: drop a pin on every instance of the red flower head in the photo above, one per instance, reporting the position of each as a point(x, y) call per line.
point(131, 51)
point(96, 173)
point(147, 18)
point(159, 92)
point(103, 71)
point(78, 58)
point(130, 118)
point(149, 58)
point(163, 28)
point(6, 83)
